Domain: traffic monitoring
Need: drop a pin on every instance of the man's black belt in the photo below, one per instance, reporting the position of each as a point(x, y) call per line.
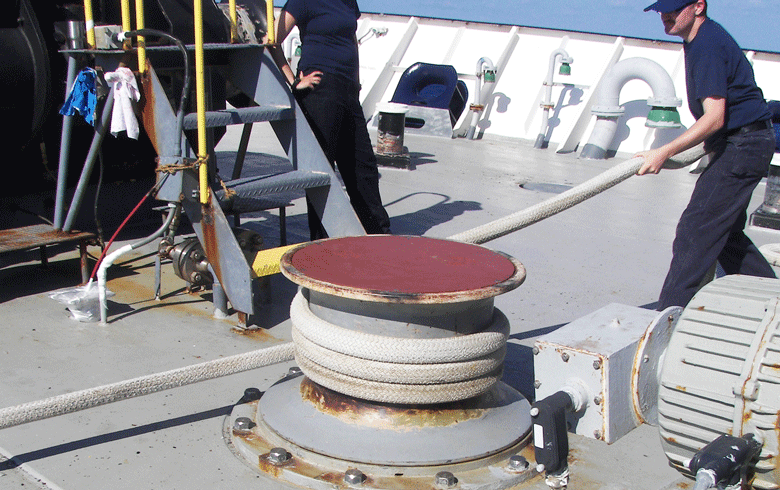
point(749, 128)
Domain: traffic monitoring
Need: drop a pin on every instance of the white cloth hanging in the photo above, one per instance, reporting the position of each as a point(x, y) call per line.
point(125, 93)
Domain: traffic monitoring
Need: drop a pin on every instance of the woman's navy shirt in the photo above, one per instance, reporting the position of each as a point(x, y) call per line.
point(327, 30)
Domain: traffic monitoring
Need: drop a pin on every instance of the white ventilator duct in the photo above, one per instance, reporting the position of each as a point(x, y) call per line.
point(663, 103)
point(547, 104)
point(486, 73)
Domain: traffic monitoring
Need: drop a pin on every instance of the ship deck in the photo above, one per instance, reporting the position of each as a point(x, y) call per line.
point(613, 248)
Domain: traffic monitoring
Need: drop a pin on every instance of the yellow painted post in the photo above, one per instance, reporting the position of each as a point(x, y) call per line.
point(126, 22)
point(200, 95)
point(269, 13)
point(139, 24)
point(89, 23)
point(233, 22)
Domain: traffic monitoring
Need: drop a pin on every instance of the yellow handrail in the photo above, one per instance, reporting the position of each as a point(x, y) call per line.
point(200, 94)
point(126, 23)
point(139, 24)
point(233, 22)
point(89, 23)
point(269, 13)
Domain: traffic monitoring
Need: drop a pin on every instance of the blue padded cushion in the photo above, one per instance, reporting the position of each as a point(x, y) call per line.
point(425, 84)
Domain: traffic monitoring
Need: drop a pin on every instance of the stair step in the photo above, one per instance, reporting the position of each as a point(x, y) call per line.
point(244, 115)
point(274, 184)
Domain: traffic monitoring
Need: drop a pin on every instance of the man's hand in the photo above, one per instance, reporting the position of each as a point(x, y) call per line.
point(654, 161)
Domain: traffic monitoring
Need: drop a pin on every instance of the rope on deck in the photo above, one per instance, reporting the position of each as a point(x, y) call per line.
point(144, 385)
point(575, 195)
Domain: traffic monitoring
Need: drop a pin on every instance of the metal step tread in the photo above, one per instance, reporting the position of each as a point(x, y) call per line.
point(244, 115)
point(274, 184)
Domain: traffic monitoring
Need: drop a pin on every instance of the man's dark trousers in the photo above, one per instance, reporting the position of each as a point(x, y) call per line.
point(711, 227)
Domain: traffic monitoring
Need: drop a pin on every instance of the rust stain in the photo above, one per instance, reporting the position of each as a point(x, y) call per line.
point(147, 104)
point(27, 237)
point(391, 416)
point(253, 333)
point(210, 241)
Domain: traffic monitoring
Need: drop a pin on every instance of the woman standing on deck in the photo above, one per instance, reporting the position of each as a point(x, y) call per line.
point(327, 87)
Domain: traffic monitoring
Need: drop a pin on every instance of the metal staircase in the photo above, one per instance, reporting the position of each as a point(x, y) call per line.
point(250, 69)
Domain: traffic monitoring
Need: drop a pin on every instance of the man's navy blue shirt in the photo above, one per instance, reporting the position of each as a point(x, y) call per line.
point(327, 35)
point(715, 66)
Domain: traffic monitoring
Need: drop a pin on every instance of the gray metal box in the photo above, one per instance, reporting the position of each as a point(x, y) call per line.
point(594, 355)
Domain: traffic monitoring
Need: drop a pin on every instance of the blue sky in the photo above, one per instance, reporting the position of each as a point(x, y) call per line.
point(755, 24)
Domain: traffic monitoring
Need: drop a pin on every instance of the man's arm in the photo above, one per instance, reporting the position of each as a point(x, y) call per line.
point(708, 124)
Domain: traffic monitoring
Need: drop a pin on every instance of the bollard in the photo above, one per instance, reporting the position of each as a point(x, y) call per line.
point(390, 150)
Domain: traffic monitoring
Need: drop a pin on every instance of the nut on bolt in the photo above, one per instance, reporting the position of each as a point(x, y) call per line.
point(354, 477)
point(278, 456)
point(517, 463)
point(445, 479)
point(243, 424)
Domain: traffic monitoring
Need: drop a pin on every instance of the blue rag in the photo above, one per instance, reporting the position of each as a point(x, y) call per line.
point(82, 98)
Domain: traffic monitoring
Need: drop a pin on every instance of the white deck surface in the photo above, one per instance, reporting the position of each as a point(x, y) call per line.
point(614, 248)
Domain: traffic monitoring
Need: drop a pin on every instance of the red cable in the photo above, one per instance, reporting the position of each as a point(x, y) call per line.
point(102, 255)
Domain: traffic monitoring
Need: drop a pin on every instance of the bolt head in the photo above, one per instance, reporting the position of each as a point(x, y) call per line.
point(535, 350)
point(597, 434)
point(243, 424)
point(597, 364)
point(445, 479)
point(278, 456)
point(354, 477)
point(517, 463)
point(534, 411)
point(597, 400)
point(537, 384)
point(294, 371)
point(540, 468)
point(565, 357)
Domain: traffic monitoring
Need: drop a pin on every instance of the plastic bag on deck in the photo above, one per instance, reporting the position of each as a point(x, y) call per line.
point(83, 302)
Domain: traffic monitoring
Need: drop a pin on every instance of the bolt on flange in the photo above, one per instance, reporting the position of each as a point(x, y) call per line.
point(243, 425)
point(517, 463)
point(445, 479)
point(278, 456)
point(354, 477)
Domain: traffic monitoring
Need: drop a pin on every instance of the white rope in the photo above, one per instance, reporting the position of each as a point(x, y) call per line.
point(397, 370)
point(575, 195)
point(144, 385)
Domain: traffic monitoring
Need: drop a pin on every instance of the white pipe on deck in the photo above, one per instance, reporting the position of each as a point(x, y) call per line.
point(609, 110)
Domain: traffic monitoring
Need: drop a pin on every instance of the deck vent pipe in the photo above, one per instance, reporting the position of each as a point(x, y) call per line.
point(663, 103)
point(547, 104)
point(486, 73)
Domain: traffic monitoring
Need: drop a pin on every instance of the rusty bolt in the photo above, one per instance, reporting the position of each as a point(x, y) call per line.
point(537, 384)
point(517, 463)
point(278, 456)
point(565, 357)
point(354, 477)
point(597, 364)
point(535, 350)
point(597, 434)
point(445, 479)
point(243, 424)
point(597, 400)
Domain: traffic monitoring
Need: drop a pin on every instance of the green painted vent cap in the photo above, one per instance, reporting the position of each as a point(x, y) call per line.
point(565, 69)
point(663, 117)
point(490, 76)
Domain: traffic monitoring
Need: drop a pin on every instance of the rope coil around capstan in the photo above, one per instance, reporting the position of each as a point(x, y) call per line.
point(397, 370)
